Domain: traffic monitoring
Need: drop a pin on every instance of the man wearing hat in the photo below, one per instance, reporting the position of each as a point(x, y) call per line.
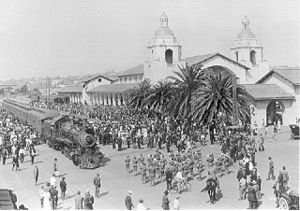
point(78, 201)
point(140, 205)
point(128, 201)
point(88, 200)
point(259, 186)
point(242, 188)
point(252, 196)
point(97, 184)
point(169, 177)
point(165, 201)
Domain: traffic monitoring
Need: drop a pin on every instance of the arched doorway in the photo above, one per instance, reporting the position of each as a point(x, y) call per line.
point(218, 69)
point(275, 111)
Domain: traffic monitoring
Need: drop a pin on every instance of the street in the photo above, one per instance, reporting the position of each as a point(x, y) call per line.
point(116, 181)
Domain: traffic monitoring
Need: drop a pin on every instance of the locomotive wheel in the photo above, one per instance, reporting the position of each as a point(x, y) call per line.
point(75, 159)
point(283, 204)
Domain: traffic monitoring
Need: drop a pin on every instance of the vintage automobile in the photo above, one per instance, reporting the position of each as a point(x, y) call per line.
point(288, 199)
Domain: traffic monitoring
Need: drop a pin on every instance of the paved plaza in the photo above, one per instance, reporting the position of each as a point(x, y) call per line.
point(116, 181)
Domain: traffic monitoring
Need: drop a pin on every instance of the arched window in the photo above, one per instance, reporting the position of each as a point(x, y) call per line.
point(169, 56)
point(237, 56)
point(253, 57)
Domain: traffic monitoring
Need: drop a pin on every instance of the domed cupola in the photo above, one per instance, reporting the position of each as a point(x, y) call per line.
point(246, 32)
point(164, 30)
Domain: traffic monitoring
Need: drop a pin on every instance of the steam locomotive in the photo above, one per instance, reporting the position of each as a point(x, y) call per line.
point(74, 139)
point(71, 135)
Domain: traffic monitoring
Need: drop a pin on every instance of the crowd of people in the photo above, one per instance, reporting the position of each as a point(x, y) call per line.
point(16, 140)
point(176, 156)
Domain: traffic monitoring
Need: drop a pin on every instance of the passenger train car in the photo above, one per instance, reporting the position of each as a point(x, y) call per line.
point(65, 133)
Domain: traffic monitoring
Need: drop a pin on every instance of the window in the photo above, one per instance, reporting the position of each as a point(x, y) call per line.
point(169, 56)
point(135, 78)
point(253, 57)
point(125, 79)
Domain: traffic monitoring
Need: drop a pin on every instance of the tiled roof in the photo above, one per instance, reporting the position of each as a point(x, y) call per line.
point(291, 74)
point(70, 89)
point(198, 59)
point(133, 71)
point(202, 58)
point(267, 91)
point(114, 88)
point(105, 76)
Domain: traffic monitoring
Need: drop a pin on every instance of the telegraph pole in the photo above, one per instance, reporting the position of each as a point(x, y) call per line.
point(234, 102)
point(48, 91)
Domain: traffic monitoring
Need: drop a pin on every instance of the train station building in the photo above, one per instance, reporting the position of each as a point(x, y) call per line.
point(275, 89)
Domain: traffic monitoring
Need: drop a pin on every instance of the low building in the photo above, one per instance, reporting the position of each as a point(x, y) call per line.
point(277, 96)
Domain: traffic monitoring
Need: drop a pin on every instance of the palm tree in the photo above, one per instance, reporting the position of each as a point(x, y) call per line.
point(216, 96)
point(160, 96)
point(186, 81)
point(135, 97)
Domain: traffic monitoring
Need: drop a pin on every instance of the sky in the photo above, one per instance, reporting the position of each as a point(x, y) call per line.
point(72, 37)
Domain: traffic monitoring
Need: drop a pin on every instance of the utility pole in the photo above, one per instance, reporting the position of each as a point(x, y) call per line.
point(48, 91)
point(234, 102)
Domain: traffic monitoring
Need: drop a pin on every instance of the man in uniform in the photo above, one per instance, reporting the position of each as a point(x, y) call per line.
point(143, 171)
point(161, 169)
point(169, 178)
point(152, 174)
point(141, 161)
point(127, 164)
point(134, 164)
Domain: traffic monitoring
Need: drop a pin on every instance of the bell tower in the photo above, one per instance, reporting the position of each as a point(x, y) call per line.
point(164, 52)
point(248, 50)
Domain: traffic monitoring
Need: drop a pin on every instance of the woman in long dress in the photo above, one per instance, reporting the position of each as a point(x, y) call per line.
point(47, 205)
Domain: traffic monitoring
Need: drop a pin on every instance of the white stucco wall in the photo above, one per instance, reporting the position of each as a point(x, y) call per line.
point(288, 116)
point(91, 85)
point(157, 71)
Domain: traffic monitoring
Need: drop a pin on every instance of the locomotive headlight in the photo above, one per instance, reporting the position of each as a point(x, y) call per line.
point(89, 140)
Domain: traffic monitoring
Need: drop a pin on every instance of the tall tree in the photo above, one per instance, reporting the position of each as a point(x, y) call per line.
point(186, 81)
point(160, 96)
point(216, 96)
point(136, 97)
